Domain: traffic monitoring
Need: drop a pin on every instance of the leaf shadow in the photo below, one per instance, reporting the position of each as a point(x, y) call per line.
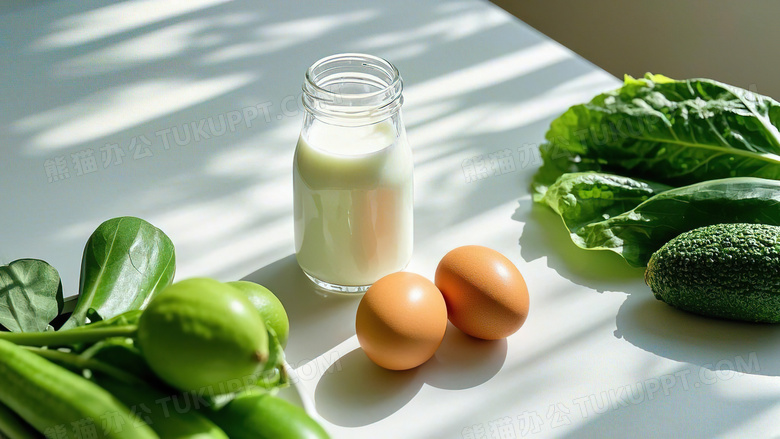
point(713, 344)
point(599, 270)
point(355, 392)
point(708, 412)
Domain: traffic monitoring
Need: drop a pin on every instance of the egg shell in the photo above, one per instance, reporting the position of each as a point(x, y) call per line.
point(401, 321)
point(485, 293)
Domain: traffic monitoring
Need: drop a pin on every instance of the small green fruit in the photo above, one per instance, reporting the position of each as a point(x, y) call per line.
point(271, 309)
point(203, 334)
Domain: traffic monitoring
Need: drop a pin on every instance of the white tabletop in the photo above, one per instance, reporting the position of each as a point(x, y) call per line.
point(598, 355)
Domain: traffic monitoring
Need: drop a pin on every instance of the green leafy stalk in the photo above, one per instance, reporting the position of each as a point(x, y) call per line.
point(126, 262)
point(68, 338)
point(124, 319)
point(79, 363)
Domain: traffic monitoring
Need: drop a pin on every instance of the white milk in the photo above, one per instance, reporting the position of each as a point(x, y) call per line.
point(353, 202)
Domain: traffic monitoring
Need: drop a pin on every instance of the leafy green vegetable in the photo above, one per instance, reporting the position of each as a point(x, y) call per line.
point(639, 232)
point(126, 262)
point(30, 295)
point(676, 132)
point(584, 197)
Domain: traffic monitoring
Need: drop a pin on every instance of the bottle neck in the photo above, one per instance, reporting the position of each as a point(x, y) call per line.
point(352, 90)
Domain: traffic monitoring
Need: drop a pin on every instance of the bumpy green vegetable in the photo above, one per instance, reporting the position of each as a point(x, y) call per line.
point(126, 262)
point(730, 271)
point(262, 416)
point(53, 399)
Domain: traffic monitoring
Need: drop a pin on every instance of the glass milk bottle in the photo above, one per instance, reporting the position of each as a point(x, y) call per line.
point(352, 174)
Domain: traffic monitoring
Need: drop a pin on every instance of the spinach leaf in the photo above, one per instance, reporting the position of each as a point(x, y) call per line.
point(30, 295)
point(675, 132)
point(126, 262)
point(639, 232)
point(584, 197)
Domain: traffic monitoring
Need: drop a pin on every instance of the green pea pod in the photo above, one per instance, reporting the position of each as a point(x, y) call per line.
point(157, 409)
point(14, 427)
point(263, 416)
point(60, 403)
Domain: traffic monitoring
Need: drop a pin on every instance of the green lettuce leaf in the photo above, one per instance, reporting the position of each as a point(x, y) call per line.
point(126, 262)
point(659, 129)
point(30, 295)
point(639, 232)
point(584, 197)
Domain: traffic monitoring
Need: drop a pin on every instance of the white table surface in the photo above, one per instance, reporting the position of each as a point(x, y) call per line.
point(598, 355)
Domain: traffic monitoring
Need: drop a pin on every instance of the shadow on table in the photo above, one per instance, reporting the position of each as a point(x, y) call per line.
point(700, 411)
point(356, 392)
point(598, 270)
point(83, 80)
point(643, 321)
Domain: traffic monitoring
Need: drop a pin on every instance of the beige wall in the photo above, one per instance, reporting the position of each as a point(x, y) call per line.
point(734, 41)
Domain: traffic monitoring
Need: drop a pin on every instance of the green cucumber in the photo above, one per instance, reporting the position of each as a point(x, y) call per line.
point(729, 271)
point(263, 416)
point(54, 400)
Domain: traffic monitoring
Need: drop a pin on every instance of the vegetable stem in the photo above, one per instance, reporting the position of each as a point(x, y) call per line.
point(79, 362)
point(69, 337)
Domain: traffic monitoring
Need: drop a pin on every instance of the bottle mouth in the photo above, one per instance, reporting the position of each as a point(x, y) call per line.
point(352, 88)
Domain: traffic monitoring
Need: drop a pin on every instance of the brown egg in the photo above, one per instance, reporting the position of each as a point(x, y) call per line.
point(401, 321)
point(485, 293)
